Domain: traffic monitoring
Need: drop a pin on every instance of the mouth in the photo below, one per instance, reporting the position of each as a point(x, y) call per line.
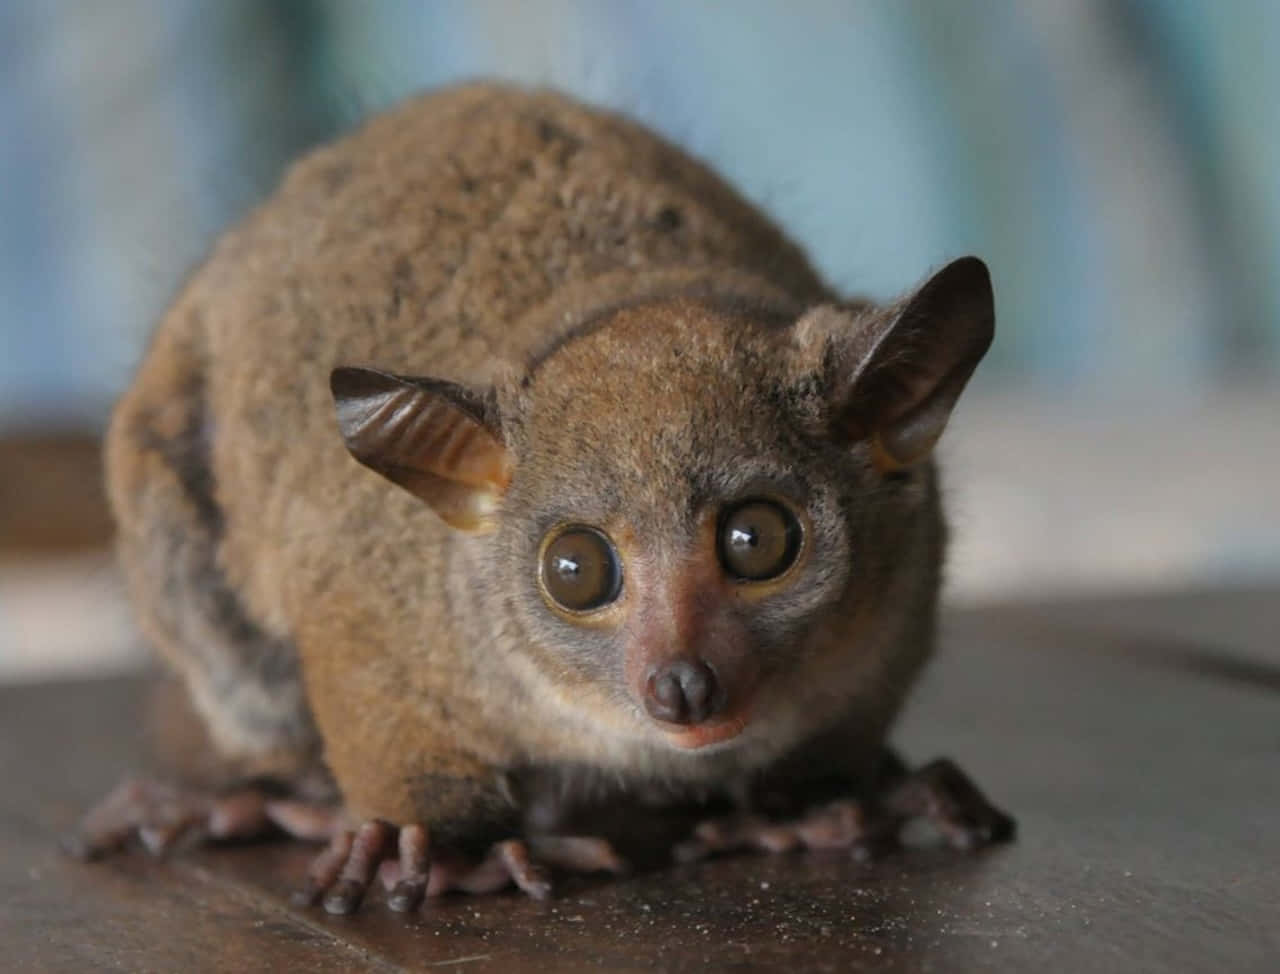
point(701, 736)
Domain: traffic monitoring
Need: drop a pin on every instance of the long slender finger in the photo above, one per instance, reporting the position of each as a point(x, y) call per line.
point(324, 869)
point(367, 851)
point(161, 838)
point(164, 816)
point(711, 837)
point(304, 820)
point(240, 815)
point(577, 853)
point(523, 869)
point(414, 864)
point(835, 826)
point(488, 876)
point(505, 863)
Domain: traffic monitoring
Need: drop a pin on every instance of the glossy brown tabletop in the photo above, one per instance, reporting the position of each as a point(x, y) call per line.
point(1137, 741)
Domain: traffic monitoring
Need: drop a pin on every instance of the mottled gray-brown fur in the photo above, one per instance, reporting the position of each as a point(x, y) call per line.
point(651, 347)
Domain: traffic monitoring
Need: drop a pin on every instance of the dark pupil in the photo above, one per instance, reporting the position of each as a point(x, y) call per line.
point(759, 540)
point(580, 570)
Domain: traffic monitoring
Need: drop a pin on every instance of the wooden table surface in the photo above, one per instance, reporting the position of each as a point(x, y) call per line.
point(1137, 741)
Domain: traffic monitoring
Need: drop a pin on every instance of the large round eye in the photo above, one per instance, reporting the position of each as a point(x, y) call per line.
point(580, 569)
point(759, 540)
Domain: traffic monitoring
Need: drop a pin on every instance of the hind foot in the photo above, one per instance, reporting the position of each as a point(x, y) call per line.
point(162, 817)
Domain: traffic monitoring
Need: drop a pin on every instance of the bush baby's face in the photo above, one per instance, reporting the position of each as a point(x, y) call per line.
point(671, 528)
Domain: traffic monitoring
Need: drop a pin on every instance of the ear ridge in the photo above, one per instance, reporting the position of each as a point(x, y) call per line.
point(421, 430)
point(434, 438)
point(896, 387)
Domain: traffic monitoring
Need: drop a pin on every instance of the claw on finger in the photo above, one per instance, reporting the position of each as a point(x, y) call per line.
point(368, 847)
point(406, 895)
point(324, 869)
point(412, 869)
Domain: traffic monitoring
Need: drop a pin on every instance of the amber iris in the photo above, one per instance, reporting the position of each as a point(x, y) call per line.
point(759, 540)
point(580, 569)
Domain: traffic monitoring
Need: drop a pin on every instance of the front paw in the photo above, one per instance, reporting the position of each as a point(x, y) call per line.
point(410, 870)
point(939, 793)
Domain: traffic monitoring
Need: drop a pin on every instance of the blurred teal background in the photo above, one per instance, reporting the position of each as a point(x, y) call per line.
point(1116, 161)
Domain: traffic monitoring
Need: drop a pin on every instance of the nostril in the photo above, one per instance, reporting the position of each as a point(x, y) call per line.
point(683, 692)
point(699, 687)
point(668, 694)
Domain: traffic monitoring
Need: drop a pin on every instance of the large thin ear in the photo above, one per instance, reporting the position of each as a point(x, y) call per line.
point(897, 380)
point(435, 439)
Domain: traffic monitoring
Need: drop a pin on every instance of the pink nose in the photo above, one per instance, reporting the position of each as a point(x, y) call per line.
point(683, 692)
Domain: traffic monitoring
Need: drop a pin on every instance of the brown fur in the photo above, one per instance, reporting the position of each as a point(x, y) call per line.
point(629, 327)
